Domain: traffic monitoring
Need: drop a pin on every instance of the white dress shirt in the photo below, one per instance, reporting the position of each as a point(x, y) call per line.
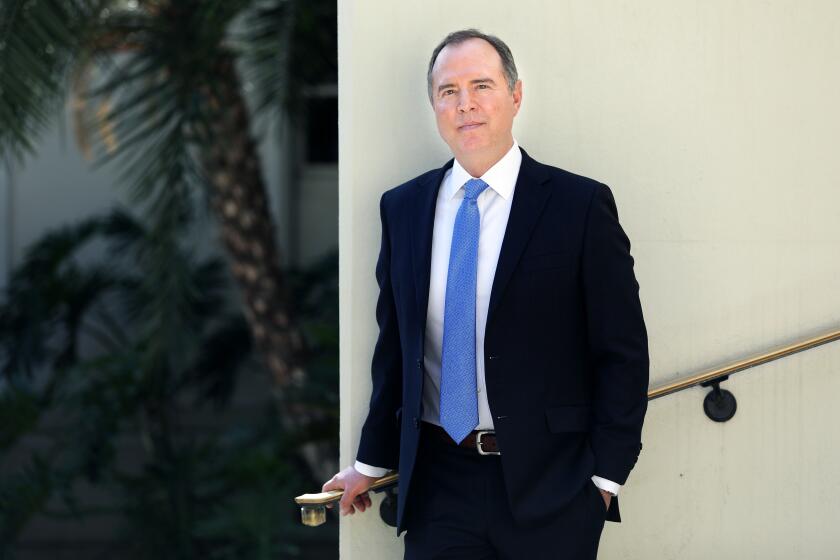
point(494, 205)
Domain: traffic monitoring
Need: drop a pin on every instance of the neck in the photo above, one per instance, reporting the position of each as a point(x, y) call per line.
point(477, 164)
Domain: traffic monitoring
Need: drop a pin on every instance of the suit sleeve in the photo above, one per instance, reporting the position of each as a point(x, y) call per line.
point(380, 439)
point(617, 340)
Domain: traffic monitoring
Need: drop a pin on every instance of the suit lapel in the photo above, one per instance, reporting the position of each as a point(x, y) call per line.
point(529, 198)
point(422, 214)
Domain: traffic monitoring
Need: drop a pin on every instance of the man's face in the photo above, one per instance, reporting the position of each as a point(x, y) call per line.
point(473, 106)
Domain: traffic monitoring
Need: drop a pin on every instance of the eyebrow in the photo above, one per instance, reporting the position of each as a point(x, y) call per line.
point(473, 82)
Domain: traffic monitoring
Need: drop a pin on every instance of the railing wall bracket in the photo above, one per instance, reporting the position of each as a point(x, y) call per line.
point(388, 507)
point(719, 405)
point(313, 507)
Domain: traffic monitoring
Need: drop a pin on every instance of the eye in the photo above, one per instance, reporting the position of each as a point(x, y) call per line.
point(483, 86)
point(447, 92)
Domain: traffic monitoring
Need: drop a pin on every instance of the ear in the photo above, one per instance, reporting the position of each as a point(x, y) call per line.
point(517, 95)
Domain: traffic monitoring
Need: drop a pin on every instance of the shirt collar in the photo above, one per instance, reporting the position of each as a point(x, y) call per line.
point(501, 177)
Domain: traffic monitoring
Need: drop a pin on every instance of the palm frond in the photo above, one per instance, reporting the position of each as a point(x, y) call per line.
point(45, 299)
point(148, 105)
point(287, 46)
point(217, 368)
point(313, 44)
point(39, 42)
point(19, 412)
point(23, 495)
point(263, 45)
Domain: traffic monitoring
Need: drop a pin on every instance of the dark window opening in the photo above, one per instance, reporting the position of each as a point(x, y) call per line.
point(322, 130)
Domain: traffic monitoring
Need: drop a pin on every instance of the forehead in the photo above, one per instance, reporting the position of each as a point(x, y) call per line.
point(466, 59)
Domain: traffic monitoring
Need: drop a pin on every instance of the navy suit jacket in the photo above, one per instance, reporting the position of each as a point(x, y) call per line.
point(565, 351)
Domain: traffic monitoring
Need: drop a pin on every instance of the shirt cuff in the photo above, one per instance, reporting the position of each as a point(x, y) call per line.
point(607, 485)
point(369, 470)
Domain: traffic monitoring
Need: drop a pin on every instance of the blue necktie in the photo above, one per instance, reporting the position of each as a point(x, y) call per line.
point(458, 402)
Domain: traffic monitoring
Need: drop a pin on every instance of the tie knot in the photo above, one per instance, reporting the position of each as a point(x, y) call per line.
point(473, 188)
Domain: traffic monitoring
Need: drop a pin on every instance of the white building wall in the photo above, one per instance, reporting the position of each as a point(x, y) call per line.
point(53, 188)
point(317, 212)
point(6, 223)
point(57, 187)
point(715, 123)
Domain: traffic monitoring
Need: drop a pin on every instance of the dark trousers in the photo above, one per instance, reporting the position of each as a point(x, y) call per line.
point(457, 509)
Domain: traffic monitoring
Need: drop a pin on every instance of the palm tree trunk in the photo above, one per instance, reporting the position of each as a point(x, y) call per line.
point(239, 200)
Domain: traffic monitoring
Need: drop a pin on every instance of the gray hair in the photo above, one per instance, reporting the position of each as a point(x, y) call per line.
point(457, 37)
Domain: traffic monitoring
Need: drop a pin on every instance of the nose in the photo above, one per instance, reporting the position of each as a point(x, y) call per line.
point(465, 101)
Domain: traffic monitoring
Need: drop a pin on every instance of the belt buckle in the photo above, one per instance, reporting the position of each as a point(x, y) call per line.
point(478, 443)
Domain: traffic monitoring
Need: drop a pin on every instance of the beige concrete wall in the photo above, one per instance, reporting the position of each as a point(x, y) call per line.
point(715, 122)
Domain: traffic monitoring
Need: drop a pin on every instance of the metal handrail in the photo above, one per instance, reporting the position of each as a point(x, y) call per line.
point(741, 365)
point(313, 506)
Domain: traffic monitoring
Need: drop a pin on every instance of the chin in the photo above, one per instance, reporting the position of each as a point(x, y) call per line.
point(473, 145)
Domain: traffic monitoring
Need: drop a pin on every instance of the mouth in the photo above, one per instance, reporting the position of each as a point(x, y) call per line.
point(469, 126)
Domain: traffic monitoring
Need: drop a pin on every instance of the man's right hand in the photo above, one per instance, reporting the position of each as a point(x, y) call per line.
point(355, 486)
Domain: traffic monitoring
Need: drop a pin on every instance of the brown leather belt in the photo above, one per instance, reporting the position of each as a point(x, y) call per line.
point(482, 442)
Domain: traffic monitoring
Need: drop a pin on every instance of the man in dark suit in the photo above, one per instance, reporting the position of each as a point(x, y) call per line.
point(510, 374)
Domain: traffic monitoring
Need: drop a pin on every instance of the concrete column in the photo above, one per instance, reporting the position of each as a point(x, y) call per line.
point(715, 123)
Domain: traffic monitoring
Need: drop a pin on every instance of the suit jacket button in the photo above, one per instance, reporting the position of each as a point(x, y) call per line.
point(416, 422)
